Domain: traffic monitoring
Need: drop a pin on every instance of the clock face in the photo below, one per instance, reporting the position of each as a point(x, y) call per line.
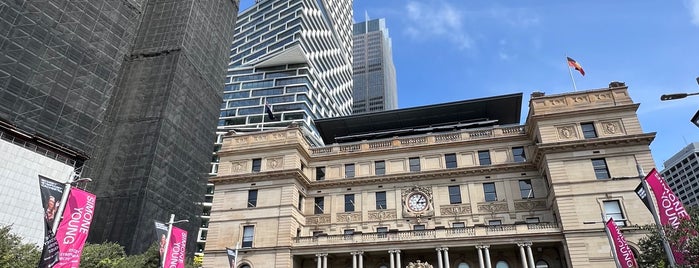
point(417, 202)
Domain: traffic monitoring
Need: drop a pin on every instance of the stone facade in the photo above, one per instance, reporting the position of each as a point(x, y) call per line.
point(372, 204)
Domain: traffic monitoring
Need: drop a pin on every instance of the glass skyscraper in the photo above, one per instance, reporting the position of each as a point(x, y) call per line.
point(374, 73)
point(295, 56)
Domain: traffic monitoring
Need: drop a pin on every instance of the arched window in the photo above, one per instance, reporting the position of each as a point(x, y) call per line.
point(502, 264)
point(542, 264)
point(245, 266)
point(383, 266)
point(463, 265)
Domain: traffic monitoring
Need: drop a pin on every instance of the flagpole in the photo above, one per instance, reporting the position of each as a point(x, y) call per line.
point(235, 259)
point(575, 88)
point(264, 111)
point(611, 242)
point(654, 213)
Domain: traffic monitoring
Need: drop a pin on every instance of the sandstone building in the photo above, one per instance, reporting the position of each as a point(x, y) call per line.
point(459, 184)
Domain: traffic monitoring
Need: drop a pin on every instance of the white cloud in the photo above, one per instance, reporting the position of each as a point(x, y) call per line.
point(436, 20)
point(504, 56)
point(693, 6)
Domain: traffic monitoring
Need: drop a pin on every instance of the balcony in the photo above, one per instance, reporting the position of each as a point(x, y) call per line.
point(476, 232)
point(379, 145)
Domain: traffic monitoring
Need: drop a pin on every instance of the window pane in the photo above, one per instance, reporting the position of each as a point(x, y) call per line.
point(380, 200)
point(256, 165)
point(320, 173)
point(525, 189)
point(502, 264)
point(380, 167)
point(349, 170)
point(489, 191)
point(248, 235)
point(484, 158)
point(349, 202)
point(252, 198)
point(600, 167)
point(532, 220)
point(450, 160)
point(588, 130)
point(454, 194)
point(319, 205)
point(414, 164)
point(458, 225)
point(518, 154)
point(419, 227)
point(494, 222)
point(612, 209)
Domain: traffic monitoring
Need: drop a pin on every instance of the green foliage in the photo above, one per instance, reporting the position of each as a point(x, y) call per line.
point(684, 237)
point(14, 253)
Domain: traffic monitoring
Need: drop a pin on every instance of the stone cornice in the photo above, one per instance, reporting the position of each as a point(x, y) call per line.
point(532, 120)
point(590, 144)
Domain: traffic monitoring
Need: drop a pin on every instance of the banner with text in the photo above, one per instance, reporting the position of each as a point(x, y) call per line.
point(51, 194)
point(232, 256)
point(73, 229)
point(670, 209)
point(624, 255)
point(161, 235)
point(176, 248)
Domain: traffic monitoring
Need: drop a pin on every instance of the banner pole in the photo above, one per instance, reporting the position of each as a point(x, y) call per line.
point(167, 238)
point(62, 204)
point(611, 242)
point(663, 238)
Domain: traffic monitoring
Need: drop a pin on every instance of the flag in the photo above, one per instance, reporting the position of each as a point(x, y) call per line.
point(576, 65)
point(670, 208)
point(51, 194)
point(232, 255)
point(624, 255)
point(73, 229)
point(643, 195)
point(176, 248)
point(269, 111)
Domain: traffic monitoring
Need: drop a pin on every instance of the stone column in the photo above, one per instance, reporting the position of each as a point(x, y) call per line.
point(319, 260)
point(486, 252)
point(325, 260)
point(354, 259)
point(522, 254)
point(530, 256)
point(398, 258)
point(439, 257)
point(480, 257)
point(391, 254)
point(360, 256)
point(446, 257)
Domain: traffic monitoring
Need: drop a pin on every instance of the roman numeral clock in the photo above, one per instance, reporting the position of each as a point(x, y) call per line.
point(417, 202)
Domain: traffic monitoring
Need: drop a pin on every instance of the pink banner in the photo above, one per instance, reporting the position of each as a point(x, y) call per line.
point(670, 208)
point(176, 248)
point(624, 255)
point(73, 229)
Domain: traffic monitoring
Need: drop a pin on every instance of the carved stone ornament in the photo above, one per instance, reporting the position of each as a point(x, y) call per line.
point(239, 166)
point(455, 210)
point(557, 101)
point(241, 140)
point(349, 217)
point(318, 219)
point(604, 96)
point(567, 133)
point(275, 163)
point(529, 205)
point(379, 215)
point(580, 99)
point(611, 127)
point(419, 264)
point(492, 207)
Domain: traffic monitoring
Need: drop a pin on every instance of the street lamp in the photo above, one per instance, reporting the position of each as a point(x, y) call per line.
point(675, 96)
point(169, 233)
point(66, 191)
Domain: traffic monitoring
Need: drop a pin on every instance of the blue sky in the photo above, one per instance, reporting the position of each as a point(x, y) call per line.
point(451, 50)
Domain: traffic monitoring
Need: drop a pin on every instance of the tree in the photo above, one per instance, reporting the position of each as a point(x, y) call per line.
point(684, 238)
point(14, 253)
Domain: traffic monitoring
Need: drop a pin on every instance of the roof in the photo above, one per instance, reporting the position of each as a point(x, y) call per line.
point(497, 110)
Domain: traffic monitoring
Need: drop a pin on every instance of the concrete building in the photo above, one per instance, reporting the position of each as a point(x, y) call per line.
point(682, 174)
point(455, 185)
point(294, 55)
point(374, 75)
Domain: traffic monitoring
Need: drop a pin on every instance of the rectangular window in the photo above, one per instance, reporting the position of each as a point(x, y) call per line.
point(532, 220)
point(612, 209)
point(319, 205)
point(380, 167)
point(419, 227)
point(489, 191)
point(494, 222)
point(252, 198)
point(588, 130)
point(458, 225)
point(256, 165)
point(454, 194)
point(450, 160)
point(525, 189)
point(348, 233)
point(414, 164)
point(518, 154)
point(248, 235)
point(349, 202)
point(317, 233)
point(381, 231)
point(600, 167)
point(320, 173)
point(380, 200)
point(349, 170)
point(484, 157)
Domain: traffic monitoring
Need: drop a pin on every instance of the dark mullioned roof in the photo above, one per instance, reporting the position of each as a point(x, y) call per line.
point(497, 110)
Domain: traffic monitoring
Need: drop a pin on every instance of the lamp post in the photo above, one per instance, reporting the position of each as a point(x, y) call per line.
point(66, 191)
point(167, 238)
point(674, 96)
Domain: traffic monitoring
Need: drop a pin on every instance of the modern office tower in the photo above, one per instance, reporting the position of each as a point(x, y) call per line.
point(455, 185)
point(295, 56)
point(374, 75)
point(161, 121)
point(59, 62)
point(682, 174)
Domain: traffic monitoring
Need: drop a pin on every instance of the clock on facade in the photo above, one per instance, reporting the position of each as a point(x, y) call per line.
point(417, 202)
